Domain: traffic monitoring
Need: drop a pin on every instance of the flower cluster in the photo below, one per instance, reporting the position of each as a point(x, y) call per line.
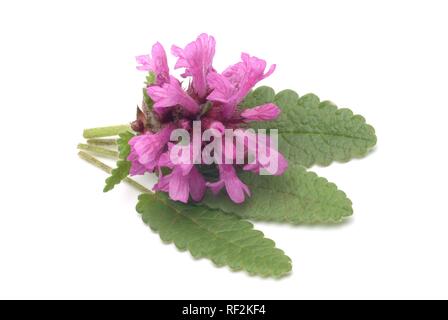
point(209, 97)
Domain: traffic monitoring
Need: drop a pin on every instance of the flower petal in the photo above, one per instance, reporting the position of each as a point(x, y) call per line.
point(264, 112)
point(136, 167)
point(197, 58)
point(223, 89)
point(157, 63)
point(179, 186)
point(235, 188)
point(197, 184)
point(171, 94)
point(163, 184)
point(259, 147)
point(147, 148)
point(234, 84)
point(249, 72)
point(144, 62)
point(215, 187)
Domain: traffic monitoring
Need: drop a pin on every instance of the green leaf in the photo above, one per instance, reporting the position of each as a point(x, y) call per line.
point(206, 107)
point(297, 197)
point(124, 149)
point(147, 99)
point(206, 233)
point(150, 78)
point(261, 95)
point(118, 174)
point(313, 132)
point(123, 165)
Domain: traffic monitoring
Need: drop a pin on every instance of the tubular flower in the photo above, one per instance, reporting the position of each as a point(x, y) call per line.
point(212, 99)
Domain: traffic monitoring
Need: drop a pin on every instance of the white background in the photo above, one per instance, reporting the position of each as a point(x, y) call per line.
point(67, 65)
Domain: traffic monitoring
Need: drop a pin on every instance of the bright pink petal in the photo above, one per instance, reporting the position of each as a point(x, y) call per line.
point(197, 184)
point(144, 62)
point(171, 94)
point(235, 73)
point(181, 61)
point(223, 89)
point(165, 161)
point(224, 92)
point(179, 185)
point(253, 69)
point(197, 58)
point(261, 113)
point(215, 187)
point(147, 148)
point(163, 184)
point(157, 63)
point(234, 84)
point(235, 188)
point(259, 146)
point(136, 167)
point(218, 126)
point(280, 169)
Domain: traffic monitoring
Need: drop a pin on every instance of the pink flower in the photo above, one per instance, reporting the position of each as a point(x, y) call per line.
point(157, 64)
point(259, 147)
point(211, 98)
point(147, 148)
point(171, 94)
point(180, 185)
point(234, 84)
point(136, 167)
point(261, 113)
point(183, 181)
point(196, 58)
point(235, 188)
point(223, 90)
point(246, 74)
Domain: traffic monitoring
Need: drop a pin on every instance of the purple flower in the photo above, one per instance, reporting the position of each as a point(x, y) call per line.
point(196, 58)
point(261, 113)
point(181, 185)
point(212, 98)
point(146, 150)
point(264, 156)
point(228, 179)
point(136, 167)
point(232, 86)
point(183, 181)
point(246, 74)
point(171, 94)
point(157, 64)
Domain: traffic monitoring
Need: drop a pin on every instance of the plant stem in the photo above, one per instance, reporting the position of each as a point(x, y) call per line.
point(105, 131)
point(102, 142)
point(97, 163)
point(99, 150)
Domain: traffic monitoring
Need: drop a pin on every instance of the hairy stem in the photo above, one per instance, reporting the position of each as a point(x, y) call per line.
point(99, 150)
point(105, 131)
point(97, 163)
point(102, 142)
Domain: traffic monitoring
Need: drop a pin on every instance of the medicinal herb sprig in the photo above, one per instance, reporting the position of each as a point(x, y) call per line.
point(225, 153)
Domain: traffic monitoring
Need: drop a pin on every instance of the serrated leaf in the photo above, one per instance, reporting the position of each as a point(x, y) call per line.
point(207, 233)
point(313, 132)
point(297, 197)
point(117, 175)
point(124, 149)
point(123, 165)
